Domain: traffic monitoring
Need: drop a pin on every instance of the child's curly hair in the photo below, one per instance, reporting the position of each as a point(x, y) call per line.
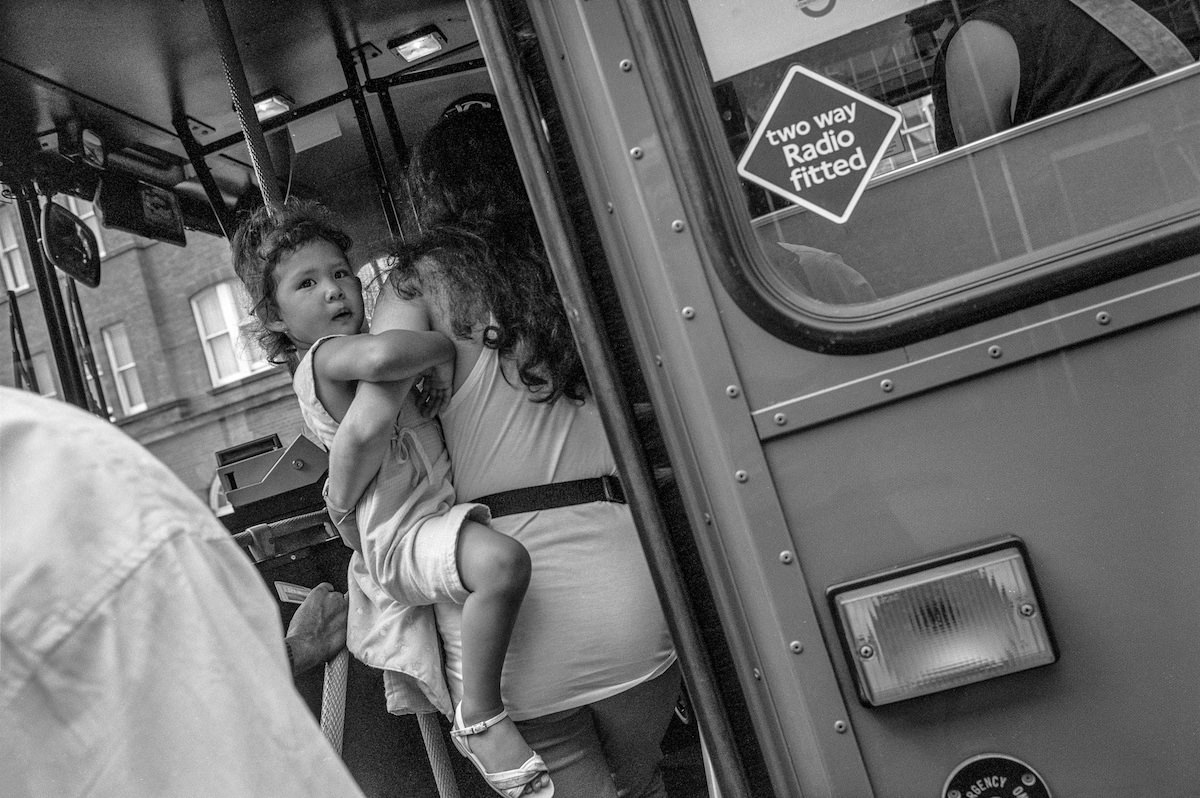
point(261, 241)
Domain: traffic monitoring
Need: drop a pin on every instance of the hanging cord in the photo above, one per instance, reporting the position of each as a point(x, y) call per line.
point(439, 761)
point(333, 699)
point(235, 74)
point(259, 539)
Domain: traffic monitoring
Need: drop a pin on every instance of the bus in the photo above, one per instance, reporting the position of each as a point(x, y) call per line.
point(909, 432)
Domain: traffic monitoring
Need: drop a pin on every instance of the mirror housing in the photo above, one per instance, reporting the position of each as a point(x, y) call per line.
point(69, 244)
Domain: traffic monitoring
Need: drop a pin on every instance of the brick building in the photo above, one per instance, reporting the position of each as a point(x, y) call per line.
point(163, 327)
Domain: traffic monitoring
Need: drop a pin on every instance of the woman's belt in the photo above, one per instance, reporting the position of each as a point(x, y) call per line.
point(555, 494)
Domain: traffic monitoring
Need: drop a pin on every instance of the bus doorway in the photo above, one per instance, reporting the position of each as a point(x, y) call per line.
point(159, 127)
point(909, 430)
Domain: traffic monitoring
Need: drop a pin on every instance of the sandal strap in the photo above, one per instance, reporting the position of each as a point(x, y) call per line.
point(511, 779)
point(480, 727)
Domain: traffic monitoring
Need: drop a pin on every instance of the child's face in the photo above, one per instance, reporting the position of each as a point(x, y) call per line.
point(316, 294)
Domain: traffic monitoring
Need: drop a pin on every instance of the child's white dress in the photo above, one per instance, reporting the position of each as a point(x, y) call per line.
point(408, 524)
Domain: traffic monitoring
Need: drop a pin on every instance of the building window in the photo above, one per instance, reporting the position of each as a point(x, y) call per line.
point(12, 262)
point(372, 275)
point(44, 373)
point(218, 314)
point(87, 214)
point(124, 369)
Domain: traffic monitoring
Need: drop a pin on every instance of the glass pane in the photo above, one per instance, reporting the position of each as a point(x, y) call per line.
point(225, 360)
point(804, 88)
point(212, 318)
point(133, 389)
point(118, 345)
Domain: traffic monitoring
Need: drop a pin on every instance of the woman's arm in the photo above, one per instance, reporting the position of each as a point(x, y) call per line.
point(428, 312)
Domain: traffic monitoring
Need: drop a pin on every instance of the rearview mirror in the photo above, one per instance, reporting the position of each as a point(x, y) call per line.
point(70, 244)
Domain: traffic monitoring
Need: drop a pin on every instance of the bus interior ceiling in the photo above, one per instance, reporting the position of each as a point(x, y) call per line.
point(129, 70)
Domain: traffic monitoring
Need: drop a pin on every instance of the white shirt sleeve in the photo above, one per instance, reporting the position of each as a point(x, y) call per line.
point(140, 651)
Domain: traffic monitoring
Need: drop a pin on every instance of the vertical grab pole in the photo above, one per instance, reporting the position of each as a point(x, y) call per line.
point(239, 88)
point(524, 127)
point(334, 692)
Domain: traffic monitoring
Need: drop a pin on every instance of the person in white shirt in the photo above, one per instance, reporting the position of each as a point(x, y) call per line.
point(140, 651)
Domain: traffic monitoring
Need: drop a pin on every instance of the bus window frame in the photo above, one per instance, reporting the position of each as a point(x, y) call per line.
point(680, 94)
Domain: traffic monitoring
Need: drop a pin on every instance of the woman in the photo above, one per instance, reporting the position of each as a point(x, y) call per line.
point(590, 675)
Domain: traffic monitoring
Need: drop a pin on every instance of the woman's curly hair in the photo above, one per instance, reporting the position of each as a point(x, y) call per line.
point(480, 249)
point(264, 239)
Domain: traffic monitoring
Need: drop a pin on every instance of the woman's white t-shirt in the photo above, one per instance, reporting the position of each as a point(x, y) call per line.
point(591, 625)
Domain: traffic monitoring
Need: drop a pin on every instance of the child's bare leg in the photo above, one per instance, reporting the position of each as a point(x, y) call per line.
point(495, 569)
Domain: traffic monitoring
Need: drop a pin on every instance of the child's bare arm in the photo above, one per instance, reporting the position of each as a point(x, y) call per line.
point(387, 356)
point(362, 440)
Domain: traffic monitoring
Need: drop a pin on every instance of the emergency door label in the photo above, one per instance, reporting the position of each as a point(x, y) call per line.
point(819, 143)
point(995, 776)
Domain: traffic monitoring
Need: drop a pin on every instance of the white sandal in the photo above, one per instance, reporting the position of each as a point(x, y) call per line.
point(509, 783)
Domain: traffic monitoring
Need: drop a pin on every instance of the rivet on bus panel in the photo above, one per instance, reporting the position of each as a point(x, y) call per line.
point(780, 419)
point(636, 152)
point(886, 385)
point(796, 646)
point(995, 351)
point(1103, 318)
point(757, 673)
point(689, 313)
point(840, 727)
point(626, 65)
point(732, 391)
point(785, 557)
point(741, 476)
point(677, 225)
point(609, 207)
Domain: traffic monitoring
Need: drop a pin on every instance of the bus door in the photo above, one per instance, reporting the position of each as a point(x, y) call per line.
point(933, 414)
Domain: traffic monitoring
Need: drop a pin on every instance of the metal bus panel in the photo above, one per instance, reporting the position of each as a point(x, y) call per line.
point(1089, 455)
point(781, 660)
point(1074, 436)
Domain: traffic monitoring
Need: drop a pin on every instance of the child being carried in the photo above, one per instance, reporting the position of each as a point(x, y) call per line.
point(389, 488)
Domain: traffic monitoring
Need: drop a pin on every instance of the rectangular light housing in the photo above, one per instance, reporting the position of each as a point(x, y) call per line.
point(269, 105)
point(944, 623)
point(418, 44)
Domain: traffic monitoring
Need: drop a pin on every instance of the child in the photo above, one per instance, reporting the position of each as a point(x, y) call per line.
point(413, 546)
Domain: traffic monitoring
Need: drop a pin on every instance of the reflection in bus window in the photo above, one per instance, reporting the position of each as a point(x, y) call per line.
point(930, 224)
point(1014, 61)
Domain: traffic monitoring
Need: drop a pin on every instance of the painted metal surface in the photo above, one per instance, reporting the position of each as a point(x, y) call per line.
point(968, 355)
point(1069, 423)
point(799, 712)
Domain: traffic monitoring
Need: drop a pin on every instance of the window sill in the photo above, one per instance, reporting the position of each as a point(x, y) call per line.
point(149, 412)
point(20, 292)
point(243, 381)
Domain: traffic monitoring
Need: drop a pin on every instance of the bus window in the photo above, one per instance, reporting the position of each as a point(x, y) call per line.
point(869, 219)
